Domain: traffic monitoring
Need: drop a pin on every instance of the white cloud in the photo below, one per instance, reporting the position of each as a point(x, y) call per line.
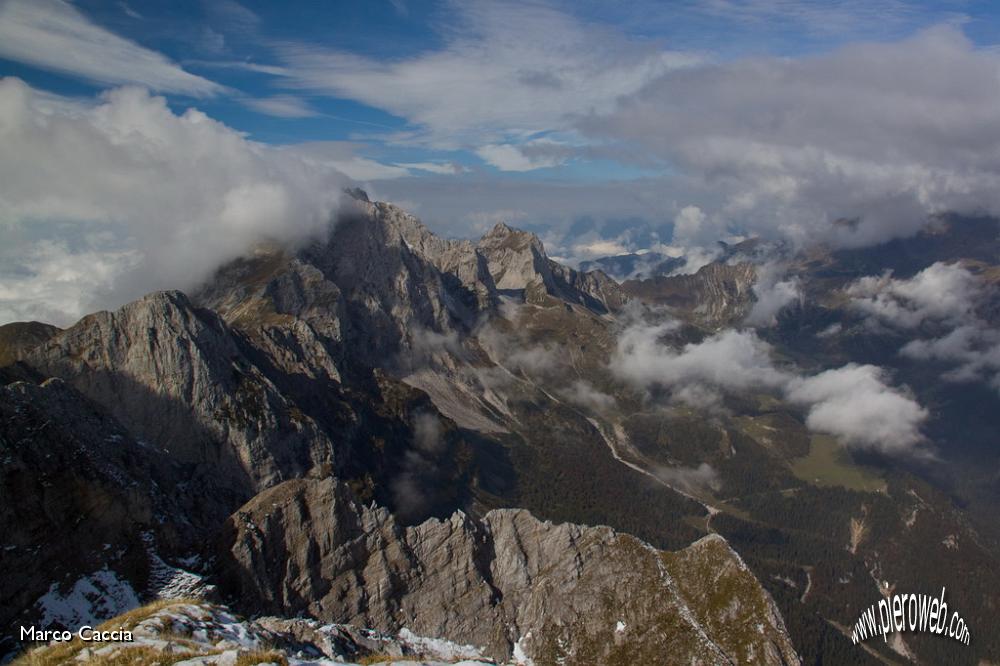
point(688, 225)
point(944, 298)
point(582, 393)
point(442, 168)
point(883, 134)
point(736, 360)
point(690, 479)
point(105, 202)
point(281, 106)
point(507, 157)
point(974, 347)
point(855, 404)
point(600, 248)
point(940, 292)
point(505, 72)
point(814, 17)
point(481, 221)
point(54, 35)
point(773, 295)
point(831, 330)
point(341, 155)
point(428, 433)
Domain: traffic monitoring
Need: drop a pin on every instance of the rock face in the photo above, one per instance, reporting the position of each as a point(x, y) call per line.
point(382, 282)
point(517, 262)
point(181, 379)
point(19, 337)
point(717, 295)
point(72, 480)
point(556, 593)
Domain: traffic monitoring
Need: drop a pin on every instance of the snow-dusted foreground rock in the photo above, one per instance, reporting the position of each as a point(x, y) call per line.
point(192, 633)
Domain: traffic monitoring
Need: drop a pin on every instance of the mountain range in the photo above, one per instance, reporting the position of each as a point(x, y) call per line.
point(385, 431)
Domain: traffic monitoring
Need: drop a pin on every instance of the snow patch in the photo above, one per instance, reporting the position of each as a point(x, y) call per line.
point(92, 599)
point(520, 658)
point(169, 582)
point(438, 648)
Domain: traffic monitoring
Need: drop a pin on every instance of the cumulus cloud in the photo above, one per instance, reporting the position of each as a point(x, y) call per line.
point(103, 202)
point(944, 299)
point(731, 359)
point(428, 347)
point(54, 35)
point(510, 352)
point(974, 349)
point(772, 294)
point(413, 487)
point(855, 402)
point(700, 397)
point(877, 134)
point(688, 225)
point(939, 293)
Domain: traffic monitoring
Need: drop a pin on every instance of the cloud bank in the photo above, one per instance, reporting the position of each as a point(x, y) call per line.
point(939, 293)
point(854, 403)
point(942, 302)
point(101, 203)
point(876, 136)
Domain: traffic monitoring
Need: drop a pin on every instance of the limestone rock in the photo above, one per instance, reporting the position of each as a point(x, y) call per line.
point(180, 378)
point(718, 295)
point(558, 593)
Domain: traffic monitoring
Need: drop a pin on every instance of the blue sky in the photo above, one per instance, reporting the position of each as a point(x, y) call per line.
point(131, 129)
point(259, 66)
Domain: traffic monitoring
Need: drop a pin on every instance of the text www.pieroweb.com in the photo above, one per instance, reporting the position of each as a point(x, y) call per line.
point(910, 612)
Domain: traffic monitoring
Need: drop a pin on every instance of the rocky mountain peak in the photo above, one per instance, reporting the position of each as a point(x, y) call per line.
point(357, 194)
point(504, 236)
point(718, 294)
point(18, 337)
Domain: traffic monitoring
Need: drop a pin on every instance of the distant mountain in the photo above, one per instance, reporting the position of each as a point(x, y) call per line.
point(634, 266)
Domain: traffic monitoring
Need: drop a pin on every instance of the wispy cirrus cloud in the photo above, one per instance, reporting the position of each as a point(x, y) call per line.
point(55, 36)
point(505, 73)
point(441, 168)
point(281, 106)
point(816, 16)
